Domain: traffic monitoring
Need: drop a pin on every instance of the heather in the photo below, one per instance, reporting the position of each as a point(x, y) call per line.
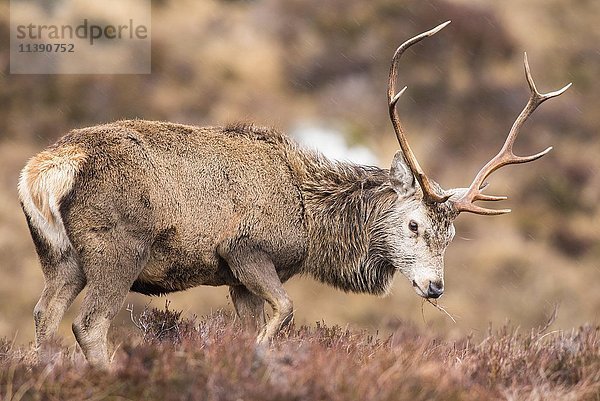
point(167, 356)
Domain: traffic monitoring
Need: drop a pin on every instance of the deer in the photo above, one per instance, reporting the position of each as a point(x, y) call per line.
point(156, 207)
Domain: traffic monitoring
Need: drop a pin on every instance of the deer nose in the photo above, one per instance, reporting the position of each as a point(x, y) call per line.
point(435, 289)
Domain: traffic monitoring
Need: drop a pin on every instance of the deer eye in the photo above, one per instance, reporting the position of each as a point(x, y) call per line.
point(413, 226)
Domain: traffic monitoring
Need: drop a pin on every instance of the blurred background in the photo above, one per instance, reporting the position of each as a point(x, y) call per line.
point(318, 70)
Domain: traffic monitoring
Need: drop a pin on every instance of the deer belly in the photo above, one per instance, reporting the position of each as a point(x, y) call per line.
point(168, 273)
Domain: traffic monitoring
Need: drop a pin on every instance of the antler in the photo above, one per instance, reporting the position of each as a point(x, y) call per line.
point(506, 155)
point(430, 194)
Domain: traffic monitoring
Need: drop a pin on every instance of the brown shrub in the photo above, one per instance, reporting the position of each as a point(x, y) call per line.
point(212, 359)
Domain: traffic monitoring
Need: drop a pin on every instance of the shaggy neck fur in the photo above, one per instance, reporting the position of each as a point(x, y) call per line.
point(345, 209)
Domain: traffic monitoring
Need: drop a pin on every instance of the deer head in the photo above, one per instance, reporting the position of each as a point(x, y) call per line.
point(424, 213)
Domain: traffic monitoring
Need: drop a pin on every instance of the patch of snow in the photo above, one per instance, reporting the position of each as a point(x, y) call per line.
point(332, 144)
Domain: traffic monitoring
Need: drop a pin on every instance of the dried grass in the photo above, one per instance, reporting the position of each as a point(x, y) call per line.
point(212, 359)
point(440, 308)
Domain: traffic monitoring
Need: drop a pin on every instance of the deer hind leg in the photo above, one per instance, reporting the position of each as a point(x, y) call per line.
point(257, 273)
point(64, 281)
point(101, 304)
point(248, 306)
point(110, 270)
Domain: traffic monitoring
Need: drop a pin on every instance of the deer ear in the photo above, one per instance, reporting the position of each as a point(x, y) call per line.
point(401, 178)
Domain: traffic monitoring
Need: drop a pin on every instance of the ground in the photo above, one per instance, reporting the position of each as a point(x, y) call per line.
point(167, 357)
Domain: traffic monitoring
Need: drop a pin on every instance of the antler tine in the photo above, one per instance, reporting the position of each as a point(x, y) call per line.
point(506, 155)
point(429, 191)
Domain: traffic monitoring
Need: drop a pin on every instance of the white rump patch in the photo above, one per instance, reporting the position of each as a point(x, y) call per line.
point(46, 179)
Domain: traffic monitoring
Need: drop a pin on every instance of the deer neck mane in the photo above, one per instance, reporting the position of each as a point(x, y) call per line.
point(345, 205)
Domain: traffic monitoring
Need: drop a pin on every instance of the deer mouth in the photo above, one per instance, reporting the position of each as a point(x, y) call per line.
point(419, 290)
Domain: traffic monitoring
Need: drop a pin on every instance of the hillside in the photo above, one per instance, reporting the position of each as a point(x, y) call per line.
point(286, 63)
